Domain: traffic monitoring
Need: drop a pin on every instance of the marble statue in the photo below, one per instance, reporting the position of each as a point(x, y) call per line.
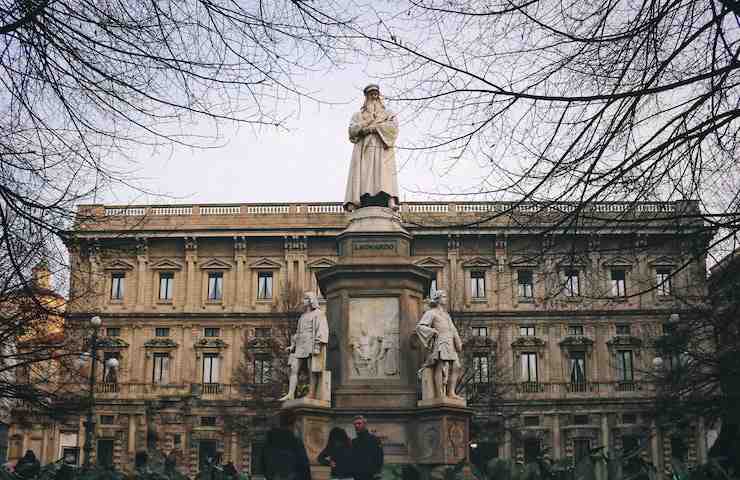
point(442, 342)
point(308, 347)
point(373, 179)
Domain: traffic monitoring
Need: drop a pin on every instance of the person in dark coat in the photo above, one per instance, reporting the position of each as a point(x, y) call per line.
point(28, 466)
point(338, 454)
point(367, 452)
point(284, 455)
point(230, 470)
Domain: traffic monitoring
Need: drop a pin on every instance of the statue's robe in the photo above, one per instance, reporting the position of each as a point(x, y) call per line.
point(372, 170)
point(311, 337)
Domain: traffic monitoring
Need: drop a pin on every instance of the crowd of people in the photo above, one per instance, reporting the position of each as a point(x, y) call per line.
point(284, 455)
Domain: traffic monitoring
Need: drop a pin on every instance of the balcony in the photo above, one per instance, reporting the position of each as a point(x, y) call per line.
point(557, 390)
point(211, 388)
point(106, 387)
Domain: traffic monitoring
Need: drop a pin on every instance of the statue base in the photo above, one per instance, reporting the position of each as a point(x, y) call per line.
point(306, 402)
point(442, 402)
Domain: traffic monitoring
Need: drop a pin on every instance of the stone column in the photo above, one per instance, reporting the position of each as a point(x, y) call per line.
point(295, 261)
point(507, 439)
point(142, 258)
point(605, 442)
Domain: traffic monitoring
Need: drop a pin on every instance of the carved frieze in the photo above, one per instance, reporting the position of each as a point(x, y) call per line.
point(160, 343)
point(207, 342)
point(576, 343)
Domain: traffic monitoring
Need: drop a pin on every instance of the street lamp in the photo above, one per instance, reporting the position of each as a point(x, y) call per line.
point(90, 421)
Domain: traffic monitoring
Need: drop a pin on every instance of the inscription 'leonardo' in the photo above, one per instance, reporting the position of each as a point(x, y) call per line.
point(374, 246)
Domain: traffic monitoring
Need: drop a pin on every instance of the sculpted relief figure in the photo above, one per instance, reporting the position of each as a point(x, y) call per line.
point(373, 179)
point(308, 347)
point(442, 342)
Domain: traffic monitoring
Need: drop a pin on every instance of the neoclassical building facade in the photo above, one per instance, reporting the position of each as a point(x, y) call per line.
point(558, 319)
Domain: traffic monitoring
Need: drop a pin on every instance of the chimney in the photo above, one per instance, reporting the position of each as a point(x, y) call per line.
point(41, 276)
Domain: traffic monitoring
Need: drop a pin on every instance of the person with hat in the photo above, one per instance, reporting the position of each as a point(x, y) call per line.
point(373, 179)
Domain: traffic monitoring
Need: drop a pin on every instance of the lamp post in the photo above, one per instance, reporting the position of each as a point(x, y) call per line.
point(90, 421)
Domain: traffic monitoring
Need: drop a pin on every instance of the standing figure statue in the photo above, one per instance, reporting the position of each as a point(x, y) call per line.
point(373, 179)
point(443, 345)
point(308, 347)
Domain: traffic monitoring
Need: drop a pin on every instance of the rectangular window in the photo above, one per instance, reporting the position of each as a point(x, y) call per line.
point(177, 440)
point(581, 448)
point(264, 285)
point(580, 419)
point(478, 284)
point(526, 331)
point(572, 283)
point(577, 367)
point(481, 369)
point(625, 372)
point(532, 421)
point(113, 332)
point(211, 332)
point(480, 331)
point(162, 332)
point(207, 421)
point(256, 463)
point(663, 281)
point(211, 363)
point(117, 286)
point(526, 284)
point(161, 369)
point(575, 330)
point(619, 283)
point(104, 452)
point(629, 418)
point(432, 285)
point(623, 329)
point(262, 369)
point(107, 419)
point(215, 286)
point(263, 332)
point(166, 284)
point(529, 366)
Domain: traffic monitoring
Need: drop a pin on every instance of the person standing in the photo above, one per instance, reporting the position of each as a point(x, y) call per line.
point(284, 455)
point(367, 452)
point(338, 454)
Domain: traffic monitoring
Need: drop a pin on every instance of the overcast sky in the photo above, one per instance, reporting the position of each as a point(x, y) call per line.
point(307, 162)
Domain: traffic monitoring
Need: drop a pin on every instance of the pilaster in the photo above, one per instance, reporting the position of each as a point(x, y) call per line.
point(240, 258)
point(456, 289)
point(192, 292)
point(142, 259)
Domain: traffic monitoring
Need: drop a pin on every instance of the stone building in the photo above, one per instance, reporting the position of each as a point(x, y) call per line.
point(557, 318)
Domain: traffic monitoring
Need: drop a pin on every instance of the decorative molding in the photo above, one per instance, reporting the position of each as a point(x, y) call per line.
point(160, 343)
point(628, 341)
point(166, 264)
point(215, 264)
point(521, 261)
point(142, 246)
point(261, 345)
point(191, 244)
point(620, 262)
point(477, 262)
point(663, 261)
point(570, 262)
point(207, 342)
point(119, 264)
point(453, 242)
point(576, 343)
point(322, 262)
point(521, 343)
point(265, 264)
point(240, 244)
point(477, 343)
point(430, 262)
point(113, 343)
point(295, 242)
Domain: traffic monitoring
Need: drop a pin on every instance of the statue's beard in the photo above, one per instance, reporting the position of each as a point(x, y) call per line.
point(374, 107)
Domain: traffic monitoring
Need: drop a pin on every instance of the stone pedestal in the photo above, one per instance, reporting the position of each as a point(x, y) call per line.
point(374, 300)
